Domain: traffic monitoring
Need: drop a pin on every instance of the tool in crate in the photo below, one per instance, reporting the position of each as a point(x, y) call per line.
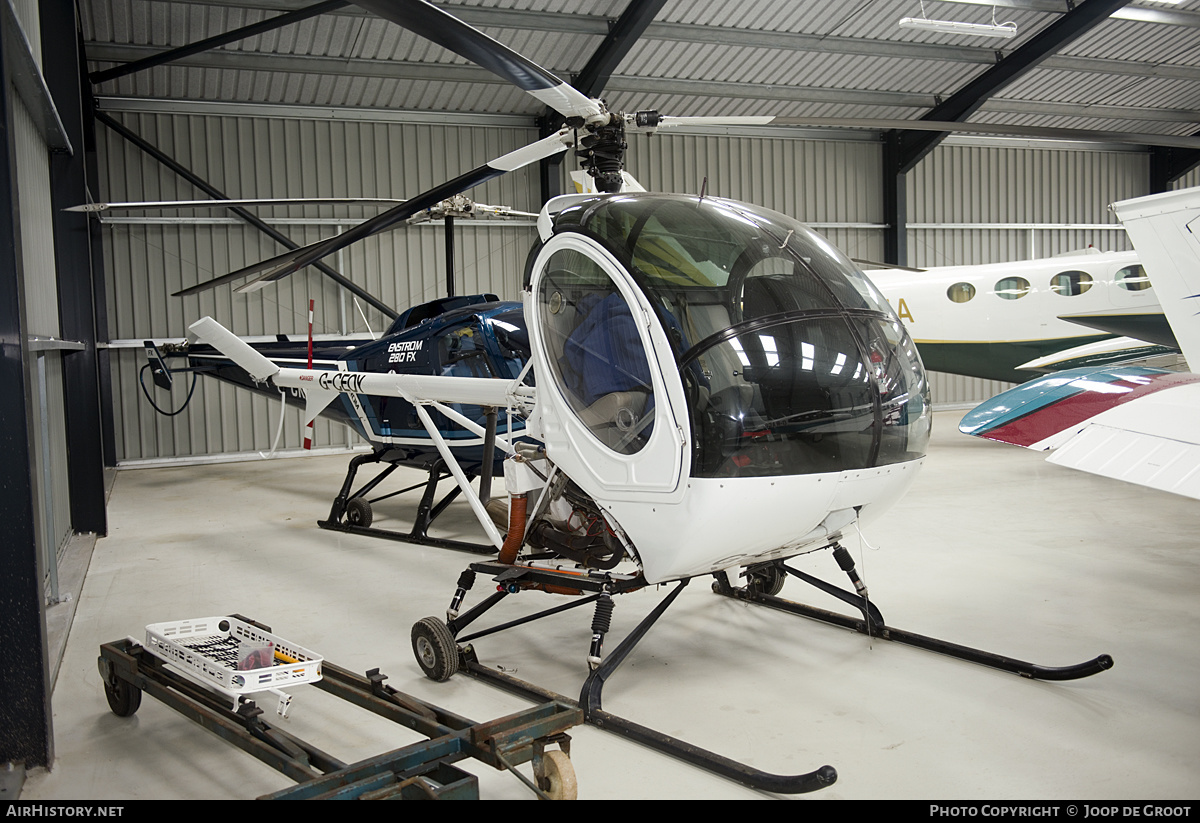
point(233, 657)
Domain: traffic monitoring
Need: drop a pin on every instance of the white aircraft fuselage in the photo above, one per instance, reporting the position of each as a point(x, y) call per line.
point(986, 320)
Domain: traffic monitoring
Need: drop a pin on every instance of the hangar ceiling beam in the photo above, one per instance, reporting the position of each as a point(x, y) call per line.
point(171, 55)
point(249, 217)
point(969, 99)
point(625, 32)
point(593, 24)
point(1169, 164)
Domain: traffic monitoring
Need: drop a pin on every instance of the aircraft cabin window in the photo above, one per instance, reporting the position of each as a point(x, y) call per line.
point(1012, 288)
point(791, 361)
point(1070, 283)
point(1133, 278)
point(596, 355)
point(960, 292)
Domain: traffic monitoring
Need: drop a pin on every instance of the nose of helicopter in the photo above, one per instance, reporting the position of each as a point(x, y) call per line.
point(729, 522)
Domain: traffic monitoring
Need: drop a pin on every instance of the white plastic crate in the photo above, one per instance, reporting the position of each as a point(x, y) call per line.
point(207, 649)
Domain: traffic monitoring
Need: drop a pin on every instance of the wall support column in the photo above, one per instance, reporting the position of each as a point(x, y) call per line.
point(26, 738)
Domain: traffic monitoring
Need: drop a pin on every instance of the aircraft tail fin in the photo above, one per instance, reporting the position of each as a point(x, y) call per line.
point(230, 345)
point(1165, 230)
point(315, 401)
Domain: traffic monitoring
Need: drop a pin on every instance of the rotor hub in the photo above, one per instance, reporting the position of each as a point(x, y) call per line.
point(602, 153)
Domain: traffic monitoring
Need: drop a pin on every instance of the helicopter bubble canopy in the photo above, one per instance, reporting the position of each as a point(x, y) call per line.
point(690, 340)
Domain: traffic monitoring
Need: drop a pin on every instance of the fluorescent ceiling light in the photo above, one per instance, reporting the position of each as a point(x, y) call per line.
point(955, 27)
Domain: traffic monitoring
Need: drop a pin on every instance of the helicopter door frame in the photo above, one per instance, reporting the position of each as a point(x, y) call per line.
point(662, 463)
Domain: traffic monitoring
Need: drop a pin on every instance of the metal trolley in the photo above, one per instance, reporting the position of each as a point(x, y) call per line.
point(188, 667)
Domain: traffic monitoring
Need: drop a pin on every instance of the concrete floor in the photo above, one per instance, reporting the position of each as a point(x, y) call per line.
point(993, 548)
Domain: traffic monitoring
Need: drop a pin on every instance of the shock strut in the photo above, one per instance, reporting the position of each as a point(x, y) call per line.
point(601, 623)
point(846, 563)
point(465, 581)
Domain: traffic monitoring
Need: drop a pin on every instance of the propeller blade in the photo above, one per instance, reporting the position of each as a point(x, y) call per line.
point(466, 41)
point(292, 261)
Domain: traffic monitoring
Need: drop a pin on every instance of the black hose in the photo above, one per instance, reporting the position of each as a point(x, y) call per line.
point(577, 547)
point(188, 399)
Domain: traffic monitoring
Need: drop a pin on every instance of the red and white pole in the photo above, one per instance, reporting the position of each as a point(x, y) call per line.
point(308, 430)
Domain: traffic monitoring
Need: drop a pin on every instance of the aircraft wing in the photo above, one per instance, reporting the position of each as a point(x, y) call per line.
point(1117, 351)
point(1149, 324)
point(1134, 424)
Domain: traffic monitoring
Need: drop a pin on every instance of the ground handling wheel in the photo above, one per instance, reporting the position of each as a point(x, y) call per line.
point(767, 579)
point(435, 649)
point(558, 776)
point(358, 512)
point(124, 698)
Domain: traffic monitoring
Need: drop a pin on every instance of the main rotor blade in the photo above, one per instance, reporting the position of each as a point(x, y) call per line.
point(292, 261)
point(226, 204)
point(1000, 129)
point(453, 34)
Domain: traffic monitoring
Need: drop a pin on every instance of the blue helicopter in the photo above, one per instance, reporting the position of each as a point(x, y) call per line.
point(463, 336)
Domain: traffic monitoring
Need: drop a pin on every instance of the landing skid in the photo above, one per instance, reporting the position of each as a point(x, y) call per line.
point(871, 622)
point(352, 510)
point(442, 648)
point(442, 655)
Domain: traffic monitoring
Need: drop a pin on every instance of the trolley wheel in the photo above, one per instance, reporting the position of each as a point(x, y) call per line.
point(767, 580)
point(124, 698)
point(436, 651)
point(559, 780)
point(358, 512)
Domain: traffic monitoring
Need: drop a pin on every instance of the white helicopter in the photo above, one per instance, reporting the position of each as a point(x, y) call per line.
point(1010, 321)
point(693, 357)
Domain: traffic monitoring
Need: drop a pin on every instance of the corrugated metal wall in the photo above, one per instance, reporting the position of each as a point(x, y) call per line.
point(816, 181)
point(985, 184)
point(834, 184)
point(148, 258)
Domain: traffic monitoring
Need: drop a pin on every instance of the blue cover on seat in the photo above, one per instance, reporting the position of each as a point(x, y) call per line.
point(604, 354)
